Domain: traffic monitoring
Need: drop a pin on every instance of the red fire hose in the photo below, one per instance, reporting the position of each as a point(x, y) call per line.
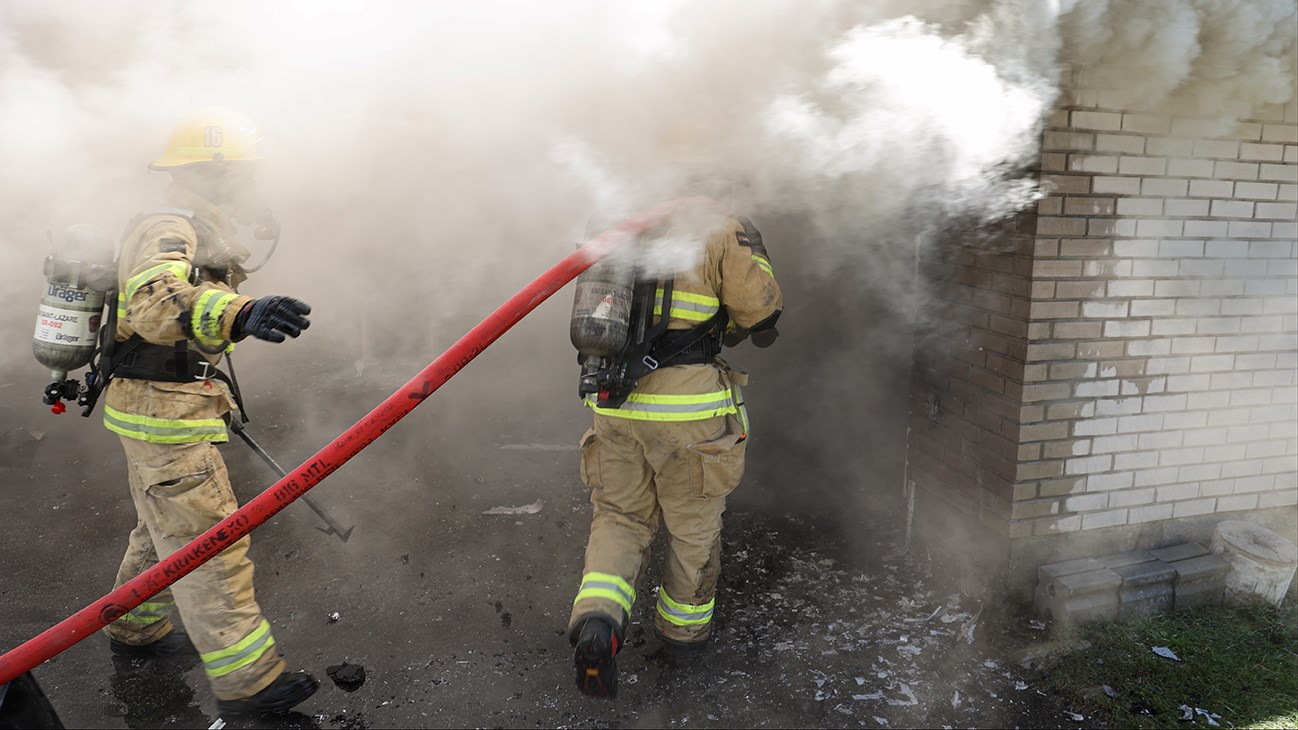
point(225, 533)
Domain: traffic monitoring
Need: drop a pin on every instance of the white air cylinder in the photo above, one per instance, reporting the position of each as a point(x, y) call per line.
point(1262, 563)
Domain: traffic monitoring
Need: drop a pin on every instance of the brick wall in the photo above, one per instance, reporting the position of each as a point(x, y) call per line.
point(1160, 373)
point(1159, 345)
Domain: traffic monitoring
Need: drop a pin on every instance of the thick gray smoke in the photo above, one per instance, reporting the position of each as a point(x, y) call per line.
point(420, 138)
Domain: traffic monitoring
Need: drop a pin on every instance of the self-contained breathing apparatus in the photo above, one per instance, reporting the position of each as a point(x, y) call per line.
point(82, 278)
point(619, 327)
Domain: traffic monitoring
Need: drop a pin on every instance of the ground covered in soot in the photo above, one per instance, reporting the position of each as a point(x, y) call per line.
point(457, 616)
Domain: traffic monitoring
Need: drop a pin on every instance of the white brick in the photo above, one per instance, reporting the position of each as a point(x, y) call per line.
point(1129, 497)
point(1185, 207)
point(1232, 209)
point(1217, 487)
point(1145, 422)
point(1106, 121)
point(1211, 363)
point(1241, 468)
point(1275, 211)
point(1104, 309)
point(1086, 502)
point(1131, 288)
point(1141, 166)
point(1144, 348)
point(1255, 483)
point(1236, 171)
point(1110, 444)
point(1190, 345)
point(1103, 164)
point(1277, 173)
point(1287, 230)
point(1108, 482)
point(1152, 513)
point(1262, 152)
point(1238, 343)
point(1204, 436)
point(1157, 477)
point(1256, 191)
point(1126, 328)
point(1182, 288)
point(1156, 440)
point(1190, 168)
point(1208, 400)
point(1095, 427)
point(1222, 149)
point(1095, 388)
point(1203, 268)
point(1146, 123)
point(1166, 187)
point(1166, 228)
point(1211, 188)
point(1287, 192)
point(1198, 473)
point(1222, 288)
point(1280, 133)
point(1161, 403)
point(1197, 307)
point(1098, 520)
point(1113, 407)
point(1125, 143)
point(1263, 449)
point(1187, 383)
point(1254, 432)
point(1185, 420)
point(1140, 206)
point(1155, 267)
point(1233, 503)
point(1196, 507)
point(1174, 492)
point(1180, 249)
point(1135, 460)
point(1287, 498)
point(1117, 185)
point(1246, 229)
point(1152, 307)
point(1250, 397)
point(1166, 365)
point(1167, 147)
point(1207, 229)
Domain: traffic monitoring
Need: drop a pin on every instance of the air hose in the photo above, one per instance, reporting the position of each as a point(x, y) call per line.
point(314, 470)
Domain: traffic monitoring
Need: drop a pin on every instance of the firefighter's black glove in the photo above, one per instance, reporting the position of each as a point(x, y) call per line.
point(753, 238)
point(271, 318)
point(765, 338)
point(733, 337)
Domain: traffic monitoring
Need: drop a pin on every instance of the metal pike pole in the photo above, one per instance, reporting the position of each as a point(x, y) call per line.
point(334, 528)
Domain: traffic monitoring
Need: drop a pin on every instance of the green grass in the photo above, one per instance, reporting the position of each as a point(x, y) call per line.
point(1241, 663)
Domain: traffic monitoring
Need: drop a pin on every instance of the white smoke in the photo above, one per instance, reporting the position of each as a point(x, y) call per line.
point(460, 148)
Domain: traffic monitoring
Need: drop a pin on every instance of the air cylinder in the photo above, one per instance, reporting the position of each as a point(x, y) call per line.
point(78, 272)
point(601, 307)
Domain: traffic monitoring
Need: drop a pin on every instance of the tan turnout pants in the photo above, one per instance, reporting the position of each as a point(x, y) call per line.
point(181, 490)
point(639, 471)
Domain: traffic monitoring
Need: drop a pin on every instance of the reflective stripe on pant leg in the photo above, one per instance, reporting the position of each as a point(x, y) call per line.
point(164, 430)
point(149, 612)
point(670, 407)
point(607, 586)
point(250, 648)
point(684, 614)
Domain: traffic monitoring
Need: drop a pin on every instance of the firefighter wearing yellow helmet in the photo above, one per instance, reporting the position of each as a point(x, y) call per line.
point(178, 313)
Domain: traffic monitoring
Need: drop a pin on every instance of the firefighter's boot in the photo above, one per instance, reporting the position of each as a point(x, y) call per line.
point(174, 644)
point(597, 642)
point(279, 697)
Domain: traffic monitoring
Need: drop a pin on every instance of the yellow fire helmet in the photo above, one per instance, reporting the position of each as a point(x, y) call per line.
point(210, 134)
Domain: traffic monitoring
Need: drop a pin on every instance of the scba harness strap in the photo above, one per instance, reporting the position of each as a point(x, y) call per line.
point(653, 346)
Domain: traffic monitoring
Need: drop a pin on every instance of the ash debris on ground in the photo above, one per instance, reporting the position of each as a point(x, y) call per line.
point(347, 677)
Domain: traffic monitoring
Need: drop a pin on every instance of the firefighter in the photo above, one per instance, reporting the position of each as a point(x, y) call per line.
point(672, 451)
point(178, 312)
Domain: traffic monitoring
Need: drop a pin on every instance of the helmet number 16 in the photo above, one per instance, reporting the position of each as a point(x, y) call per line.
point(211, 136)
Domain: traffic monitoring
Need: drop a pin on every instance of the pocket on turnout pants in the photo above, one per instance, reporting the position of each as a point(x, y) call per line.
point(590, 459)
point(722, 460)
point(185, 489)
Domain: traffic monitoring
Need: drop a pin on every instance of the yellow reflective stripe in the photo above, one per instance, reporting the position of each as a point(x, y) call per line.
point(688, 306)
point(250, 648)
point(121, 305)
point(763, 264)
point(666, 412)
point(205, 320)
point(178, 269)
point(149, 612)
point(684, 614)
point(164, 430)
point(608, 586)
